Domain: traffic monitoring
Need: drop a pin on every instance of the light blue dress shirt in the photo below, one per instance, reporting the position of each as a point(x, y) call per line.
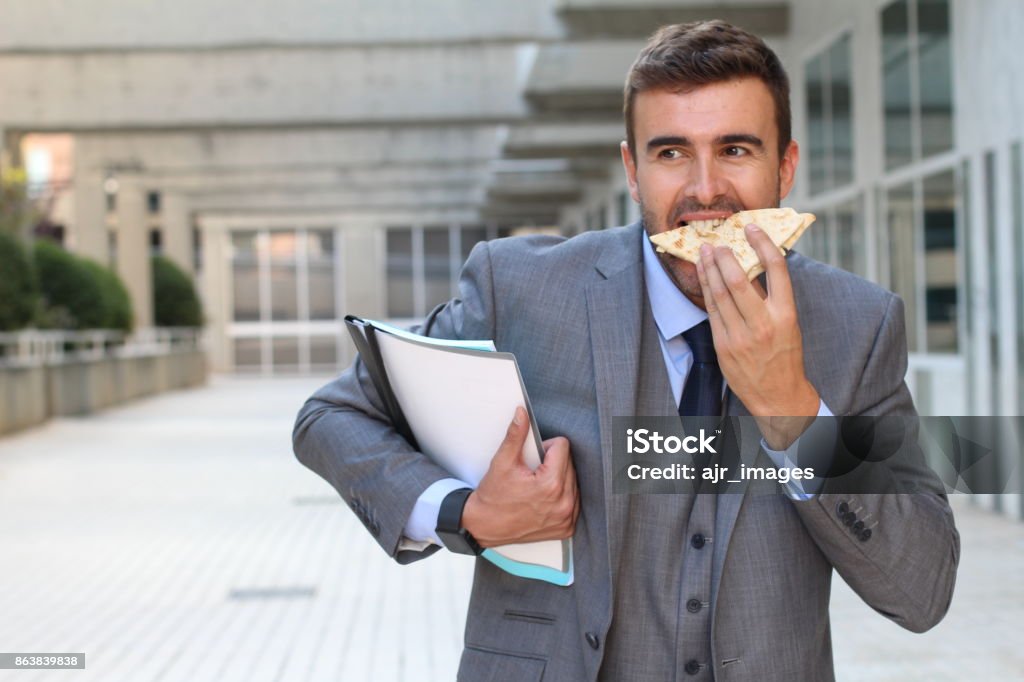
point(673, 314)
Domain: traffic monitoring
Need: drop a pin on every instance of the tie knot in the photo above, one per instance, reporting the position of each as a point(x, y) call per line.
point(701, 344)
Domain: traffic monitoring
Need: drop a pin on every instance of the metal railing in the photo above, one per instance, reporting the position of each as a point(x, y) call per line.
point(35, 347)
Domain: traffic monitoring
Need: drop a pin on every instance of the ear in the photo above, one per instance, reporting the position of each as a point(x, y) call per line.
point(629, 164)
point(787, 168)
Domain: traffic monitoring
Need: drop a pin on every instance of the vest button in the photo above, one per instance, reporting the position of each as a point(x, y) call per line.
point(697, 541)
point(692, 667)
point(592, 640)
point(693, 606)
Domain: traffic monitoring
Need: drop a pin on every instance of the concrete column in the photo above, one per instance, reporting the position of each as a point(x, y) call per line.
point(177, 231)
point(215, 291)
point(133, 263)
point(87, 233)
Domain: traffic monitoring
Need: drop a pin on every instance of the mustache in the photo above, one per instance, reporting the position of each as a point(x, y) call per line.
point(696, 207)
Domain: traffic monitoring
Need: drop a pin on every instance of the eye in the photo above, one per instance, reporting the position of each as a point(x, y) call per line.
point(669, 154)
point(735, 151)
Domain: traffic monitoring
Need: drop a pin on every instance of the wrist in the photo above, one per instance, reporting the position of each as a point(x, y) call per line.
point(450, 523)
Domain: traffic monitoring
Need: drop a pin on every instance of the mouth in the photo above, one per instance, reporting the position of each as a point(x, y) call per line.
point(703, 221)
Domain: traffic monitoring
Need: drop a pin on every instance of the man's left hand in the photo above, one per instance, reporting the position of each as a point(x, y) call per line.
point(757, 339)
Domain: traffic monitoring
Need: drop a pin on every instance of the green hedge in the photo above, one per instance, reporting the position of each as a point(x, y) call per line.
point(79, 293)
point(18, 286)
point(175, 302)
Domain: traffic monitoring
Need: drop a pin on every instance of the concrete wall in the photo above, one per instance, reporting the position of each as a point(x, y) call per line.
point(31, 395)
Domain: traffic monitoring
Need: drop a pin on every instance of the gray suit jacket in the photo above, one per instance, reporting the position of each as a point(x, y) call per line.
point(571, 312)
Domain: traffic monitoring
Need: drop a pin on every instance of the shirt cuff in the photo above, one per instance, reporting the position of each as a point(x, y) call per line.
point(821, 433)
point(420, 529)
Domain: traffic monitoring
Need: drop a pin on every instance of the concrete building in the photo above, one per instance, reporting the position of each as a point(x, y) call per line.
point(322, 158)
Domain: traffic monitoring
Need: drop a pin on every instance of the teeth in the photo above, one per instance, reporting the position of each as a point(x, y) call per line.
point(705, 225)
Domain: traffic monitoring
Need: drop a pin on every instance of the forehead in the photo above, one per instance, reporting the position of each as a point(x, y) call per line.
point(738, 106)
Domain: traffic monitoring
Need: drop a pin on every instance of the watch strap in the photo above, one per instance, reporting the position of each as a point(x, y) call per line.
point(449, 524)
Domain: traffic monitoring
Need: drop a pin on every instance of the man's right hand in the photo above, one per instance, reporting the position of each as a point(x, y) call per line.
point(514, 504)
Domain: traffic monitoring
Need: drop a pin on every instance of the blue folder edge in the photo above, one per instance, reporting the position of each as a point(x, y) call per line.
point(532, 571)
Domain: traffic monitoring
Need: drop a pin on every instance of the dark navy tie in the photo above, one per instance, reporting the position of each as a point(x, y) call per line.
point(702, 394)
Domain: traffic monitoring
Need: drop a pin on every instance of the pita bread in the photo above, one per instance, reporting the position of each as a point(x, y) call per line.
point(783, 225)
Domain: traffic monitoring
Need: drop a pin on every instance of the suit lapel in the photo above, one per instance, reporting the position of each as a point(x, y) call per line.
point(614, 311)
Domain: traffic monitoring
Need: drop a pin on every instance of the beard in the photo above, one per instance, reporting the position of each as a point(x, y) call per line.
point(684, 273)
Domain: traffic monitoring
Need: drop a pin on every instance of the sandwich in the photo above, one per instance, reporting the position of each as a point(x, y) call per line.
point(784, 226)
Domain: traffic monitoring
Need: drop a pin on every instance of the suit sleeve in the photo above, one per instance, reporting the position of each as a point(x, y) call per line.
point(343, 432)
point(898, 551)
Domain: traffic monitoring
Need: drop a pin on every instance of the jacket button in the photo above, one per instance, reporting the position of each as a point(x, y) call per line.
point(693, 606)
point(697, 541)
point(592, 640)
point(692, 667)
point(865, 535)
point(841, 509)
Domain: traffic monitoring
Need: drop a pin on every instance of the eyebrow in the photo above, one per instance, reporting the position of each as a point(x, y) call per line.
point(675, 141)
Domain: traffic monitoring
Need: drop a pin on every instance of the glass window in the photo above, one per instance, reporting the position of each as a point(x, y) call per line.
point(320, 253)
point(399, 273)
point(917, 80)
point(470, 237)
point(817, 142)
point(935, 76)
point(247, 353)
point(827, 85)
point(323, 351)
point(284, 292)
point(1017, 189)
point(623, 207)
point(896, 83)
point(245, 277)
point(437, 269)
point(840, 105)
point(286, 352)
point(902, 255)
point(849, 230)
point(156, 242)
point(941, 282)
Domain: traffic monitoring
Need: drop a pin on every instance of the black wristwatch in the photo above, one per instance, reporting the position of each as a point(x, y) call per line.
point(449, 524)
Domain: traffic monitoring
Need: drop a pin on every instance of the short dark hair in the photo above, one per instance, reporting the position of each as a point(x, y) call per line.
point(681, 57)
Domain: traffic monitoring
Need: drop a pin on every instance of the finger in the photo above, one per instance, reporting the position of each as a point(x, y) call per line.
point(510, 452)
point(556, 458)
point(724, 303)
point(718, 330)
point(779, 286)
point(749, 304)
point(756, 286)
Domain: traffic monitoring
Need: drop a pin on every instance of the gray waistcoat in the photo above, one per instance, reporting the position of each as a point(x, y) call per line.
point(662, 618)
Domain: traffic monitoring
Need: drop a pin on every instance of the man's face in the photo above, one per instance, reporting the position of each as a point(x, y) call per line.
point(702, 155)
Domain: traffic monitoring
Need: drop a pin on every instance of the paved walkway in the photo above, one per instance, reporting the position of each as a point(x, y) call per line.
point(177, 538)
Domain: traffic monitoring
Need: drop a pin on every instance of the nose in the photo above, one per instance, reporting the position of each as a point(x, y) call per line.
point(706, 183)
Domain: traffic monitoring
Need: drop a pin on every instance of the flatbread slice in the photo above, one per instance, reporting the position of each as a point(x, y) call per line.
point(783, 225)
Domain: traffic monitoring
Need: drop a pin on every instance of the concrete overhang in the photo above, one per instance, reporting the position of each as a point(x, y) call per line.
point(349, 150)
point(551, 187)
point(580, 78)
point(640, 18)
point(564, 140)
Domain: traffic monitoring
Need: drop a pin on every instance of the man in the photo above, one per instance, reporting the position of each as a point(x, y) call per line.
point(730, 587)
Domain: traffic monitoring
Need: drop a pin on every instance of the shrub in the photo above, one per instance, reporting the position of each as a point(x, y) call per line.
point(18, 286)
point(79, 293)
point(116, 301)
point(175, 302)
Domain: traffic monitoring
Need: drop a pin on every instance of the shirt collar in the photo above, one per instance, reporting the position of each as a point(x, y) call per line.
point(673, 312)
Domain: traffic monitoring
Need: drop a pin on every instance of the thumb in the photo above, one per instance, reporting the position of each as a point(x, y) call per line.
point(511, 449)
